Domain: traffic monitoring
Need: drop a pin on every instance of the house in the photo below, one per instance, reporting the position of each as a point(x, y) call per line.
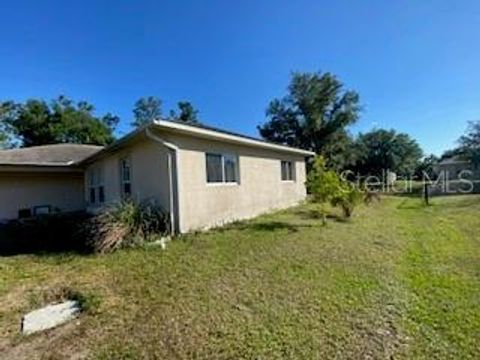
point(455, 167)
point(42, 179)
point(201, 176)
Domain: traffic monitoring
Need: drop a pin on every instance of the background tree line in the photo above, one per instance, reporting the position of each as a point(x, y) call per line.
point(316, 114)
point(62, 120)
point(468, 145)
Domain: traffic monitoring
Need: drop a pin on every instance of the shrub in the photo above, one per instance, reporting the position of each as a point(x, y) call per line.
point(327, 186)
point(371, 196)
point(347, 197)
point(125, 225)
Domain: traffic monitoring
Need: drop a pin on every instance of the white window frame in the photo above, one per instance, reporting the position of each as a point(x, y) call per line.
point(123, 182)
point(95, 182)
point(223, 182)
point(290, 175)
point(91, 187)
point(41, 210)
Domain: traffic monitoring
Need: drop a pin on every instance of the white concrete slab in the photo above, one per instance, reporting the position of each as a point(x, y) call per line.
point(49, 317)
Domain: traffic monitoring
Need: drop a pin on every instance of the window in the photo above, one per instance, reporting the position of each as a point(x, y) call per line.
point(214, 168)
point(92, 195)
point(126, 177)
point(101, 195)
point(222, 168)
point(96, 190)
point(231, 168)
point(41, 210)
point(288, 171)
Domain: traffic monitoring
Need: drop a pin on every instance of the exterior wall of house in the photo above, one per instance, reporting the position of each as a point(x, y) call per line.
point(456, 170)
point(149, 174)
point(260, 189)
point(26, 190)
point(202, 205)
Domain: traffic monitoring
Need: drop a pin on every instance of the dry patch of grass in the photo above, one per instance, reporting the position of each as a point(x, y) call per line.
point(398, 280)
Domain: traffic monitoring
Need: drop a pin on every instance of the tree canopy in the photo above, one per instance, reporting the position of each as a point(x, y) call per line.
point(381, 150)
point(451, 153)
point(314, 115)
point(187, 113)
point(470, 143)
point(4, 134)
point(425, 167)
point(3, 140)
point(36, 122)
point(146, 110)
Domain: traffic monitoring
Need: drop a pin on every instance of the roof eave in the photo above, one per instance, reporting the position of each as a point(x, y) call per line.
point(212, 134)
point(115, 145)
point(35, 167)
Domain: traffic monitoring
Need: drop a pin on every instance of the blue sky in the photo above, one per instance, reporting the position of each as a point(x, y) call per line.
point(414, 63)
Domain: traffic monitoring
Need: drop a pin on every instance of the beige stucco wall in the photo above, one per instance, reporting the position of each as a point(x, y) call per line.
point(26, 190)
point(148, 174)
point(204, 205)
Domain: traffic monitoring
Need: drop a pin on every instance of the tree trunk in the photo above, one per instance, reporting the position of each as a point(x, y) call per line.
point(426, 195)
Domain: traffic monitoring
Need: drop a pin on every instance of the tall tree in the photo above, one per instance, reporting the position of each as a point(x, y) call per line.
point(187, 113)
point(381, 150)
point(456, 152)
point(4, 143)
point(340, 151)
point(425, 167)
point(470, 143)
point(4, 140)
point(146, 110)
point(5, 109)
point(313, 115)
point(62, 121)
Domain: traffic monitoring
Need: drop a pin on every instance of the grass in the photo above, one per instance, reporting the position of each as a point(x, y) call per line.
point(399, 280)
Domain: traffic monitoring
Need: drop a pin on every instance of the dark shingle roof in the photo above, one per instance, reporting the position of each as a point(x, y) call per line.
point(454, 160)
point(48, 155)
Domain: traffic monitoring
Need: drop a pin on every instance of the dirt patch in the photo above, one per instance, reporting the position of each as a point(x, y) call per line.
point(65, 340)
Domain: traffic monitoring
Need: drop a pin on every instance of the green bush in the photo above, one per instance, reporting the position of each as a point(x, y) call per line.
point(326, 186)
point(126, 224)
point(348, 197)
point(143, 219)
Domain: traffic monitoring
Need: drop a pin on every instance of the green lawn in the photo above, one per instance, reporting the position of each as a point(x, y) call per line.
point(399, 280)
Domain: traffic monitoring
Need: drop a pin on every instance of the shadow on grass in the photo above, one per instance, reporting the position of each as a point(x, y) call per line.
point(407, 204)
point(409, 195)
point(265, 226)
point(312, 214)
point(273, 226)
